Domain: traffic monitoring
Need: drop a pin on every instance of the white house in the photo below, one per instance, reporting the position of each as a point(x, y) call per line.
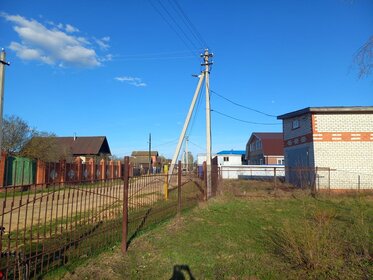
point(231, 157)
point(329, 147)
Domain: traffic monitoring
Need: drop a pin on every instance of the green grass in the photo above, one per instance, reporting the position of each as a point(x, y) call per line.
point(250, 232)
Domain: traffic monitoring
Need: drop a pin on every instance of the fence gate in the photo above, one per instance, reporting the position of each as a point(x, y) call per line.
point(19, 171)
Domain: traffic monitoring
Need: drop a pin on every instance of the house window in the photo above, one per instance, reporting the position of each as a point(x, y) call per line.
point(280, 161)
point(261, 161)
point(295, 124)
point(226, 159)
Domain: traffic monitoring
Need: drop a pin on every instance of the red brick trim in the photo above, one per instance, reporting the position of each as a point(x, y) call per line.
point(298, 140)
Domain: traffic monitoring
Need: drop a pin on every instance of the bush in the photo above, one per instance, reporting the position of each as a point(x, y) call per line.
point(327, 244)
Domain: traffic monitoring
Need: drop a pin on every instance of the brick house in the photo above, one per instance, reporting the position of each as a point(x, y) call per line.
point(140, 159)
point(265, 148)
point(335, 142)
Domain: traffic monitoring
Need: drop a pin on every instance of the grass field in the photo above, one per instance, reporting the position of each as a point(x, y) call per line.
point(249, 232)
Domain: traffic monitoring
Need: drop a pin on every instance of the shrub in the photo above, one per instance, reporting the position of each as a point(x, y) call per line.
point(326, 244)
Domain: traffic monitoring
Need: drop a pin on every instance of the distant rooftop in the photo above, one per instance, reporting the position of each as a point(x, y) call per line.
point(232, 152)
point(329, 110)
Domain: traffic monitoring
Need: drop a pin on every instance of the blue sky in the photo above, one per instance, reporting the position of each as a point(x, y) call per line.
point(117, 68)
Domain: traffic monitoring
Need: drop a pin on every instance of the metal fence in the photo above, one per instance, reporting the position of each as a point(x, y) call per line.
point(44, 226)
point(318, 179)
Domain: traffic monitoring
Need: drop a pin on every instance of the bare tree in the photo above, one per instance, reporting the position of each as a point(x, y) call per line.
point(16, 133)
point(364, 58)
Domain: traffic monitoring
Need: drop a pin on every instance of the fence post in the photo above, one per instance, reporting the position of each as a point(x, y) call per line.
point(328, 180)
point(205, 179)
point(165, 185)
point(125, 206)
point(275, 178)
point(179, 187)
point(358, 183)
point(318, 181)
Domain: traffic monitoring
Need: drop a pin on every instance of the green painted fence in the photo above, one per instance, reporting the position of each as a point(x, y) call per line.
point(20, 171)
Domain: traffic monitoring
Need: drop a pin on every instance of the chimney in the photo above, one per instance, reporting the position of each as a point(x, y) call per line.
point(74, 136)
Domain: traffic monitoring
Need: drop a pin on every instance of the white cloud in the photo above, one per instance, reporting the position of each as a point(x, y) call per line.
point(71, 29)
point(103, 43)
point(51, 45)
point(134, 81)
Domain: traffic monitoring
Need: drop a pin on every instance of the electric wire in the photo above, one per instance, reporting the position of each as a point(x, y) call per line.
point(192, 25)
point(198, 146)
point(176, 6)
point(171, 26)
point(194, 116)
point(243, 106)
point(173, 19)
point(166, 143)
point(153, 58)
point(240, 120)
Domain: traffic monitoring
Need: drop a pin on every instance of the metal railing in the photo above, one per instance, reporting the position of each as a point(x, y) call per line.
point(48, 225)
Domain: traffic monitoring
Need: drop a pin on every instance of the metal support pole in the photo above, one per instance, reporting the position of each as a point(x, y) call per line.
point(150, 154)
point(125, 206)
point(205, 179)
point(179, 187)
point(165, 186)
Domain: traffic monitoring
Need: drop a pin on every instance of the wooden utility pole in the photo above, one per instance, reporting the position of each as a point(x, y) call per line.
point(2, 77)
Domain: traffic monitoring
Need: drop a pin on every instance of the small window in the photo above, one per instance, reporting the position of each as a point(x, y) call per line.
point(295, 124)
point(280, 161)
point(226, 158)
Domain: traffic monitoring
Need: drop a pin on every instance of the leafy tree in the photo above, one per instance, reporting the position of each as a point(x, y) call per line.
point(44, 146)
point(16, 133)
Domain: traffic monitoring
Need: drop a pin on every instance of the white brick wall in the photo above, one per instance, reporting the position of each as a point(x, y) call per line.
point(344, 122)
point(350, 159)
point(305, 127)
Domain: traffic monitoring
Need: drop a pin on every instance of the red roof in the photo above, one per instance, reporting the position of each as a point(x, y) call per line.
point(272, 142)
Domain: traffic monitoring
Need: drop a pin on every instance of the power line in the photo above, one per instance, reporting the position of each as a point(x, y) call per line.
point(170, 25)
point(240, 120)
point(188, 23)
point(154, 58)
point(165, 143)
point(194, 117)
point(158, 54)
point(164, 8)
point(198, 146)
point(243, 106)
point(173, 19)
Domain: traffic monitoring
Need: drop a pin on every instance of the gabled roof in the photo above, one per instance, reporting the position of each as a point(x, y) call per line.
point(272, 142)
point(232, 152)
point(144, 153)
point(88, 145)
point(329, 110)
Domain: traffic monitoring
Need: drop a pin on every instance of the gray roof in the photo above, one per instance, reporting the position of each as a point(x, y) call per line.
point(329, 110)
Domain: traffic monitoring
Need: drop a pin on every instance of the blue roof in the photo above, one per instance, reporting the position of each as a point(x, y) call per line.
point(232, 152)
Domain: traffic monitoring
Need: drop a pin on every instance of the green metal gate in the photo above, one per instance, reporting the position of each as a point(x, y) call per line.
point(20, 171)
